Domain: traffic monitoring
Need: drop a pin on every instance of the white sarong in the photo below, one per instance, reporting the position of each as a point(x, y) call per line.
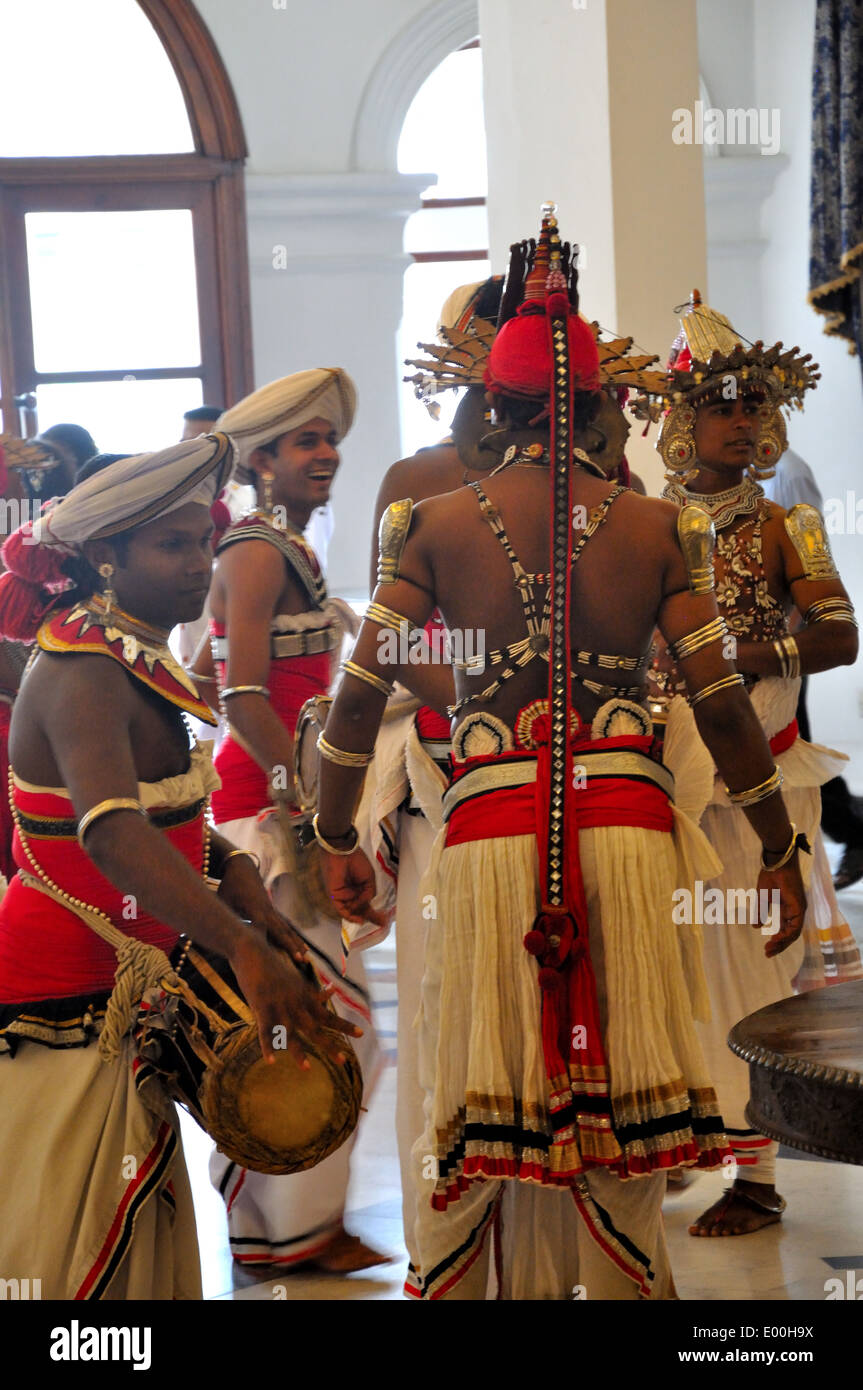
point(287, 1220)
point(740, 978)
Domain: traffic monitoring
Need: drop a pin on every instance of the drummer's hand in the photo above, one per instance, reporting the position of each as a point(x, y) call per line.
point(350, 881)
point(243, 890)
point(280, 998)
point(792, 904)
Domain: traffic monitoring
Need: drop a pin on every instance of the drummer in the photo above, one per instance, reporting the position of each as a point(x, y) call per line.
point(276, 642)
point(109, 802)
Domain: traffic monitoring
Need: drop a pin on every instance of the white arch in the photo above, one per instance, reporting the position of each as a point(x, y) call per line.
point(406, 63)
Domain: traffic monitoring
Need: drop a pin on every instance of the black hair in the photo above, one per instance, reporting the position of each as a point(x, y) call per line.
point(487, 303)
point(96, 464)
point(85, 580)
point(78, 568)
point(75, 438)
point(520, 411)
point(204, 412)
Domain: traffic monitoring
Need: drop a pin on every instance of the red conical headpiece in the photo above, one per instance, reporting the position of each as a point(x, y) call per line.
point(520, 361)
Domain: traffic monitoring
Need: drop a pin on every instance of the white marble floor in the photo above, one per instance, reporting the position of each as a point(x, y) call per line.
point(820, 1236)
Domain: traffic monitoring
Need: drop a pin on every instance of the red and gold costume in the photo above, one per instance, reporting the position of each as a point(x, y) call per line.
point(56, 976)
point(102, 1204)
point(706, 356)
point(557, 1043)
point(302, 647)
point(286, 1220)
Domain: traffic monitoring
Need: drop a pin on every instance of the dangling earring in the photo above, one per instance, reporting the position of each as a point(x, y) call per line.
point(108, 596)
point(267, 493)
point(676, 443)
point(769, 447)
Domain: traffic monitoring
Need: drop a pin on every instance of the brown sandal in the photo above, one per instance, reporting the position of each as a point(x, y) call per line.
point(773, 1210)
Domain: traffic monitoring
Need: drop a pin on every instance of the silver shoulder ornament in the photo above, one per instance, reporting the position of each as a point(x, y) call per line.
point(805, 527)
point(697, 536)
point(392, 534)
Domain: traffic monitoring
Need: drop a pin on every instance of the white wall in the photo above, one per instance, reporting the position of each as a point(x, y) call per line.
point(299, 70)
point(759, 52)
point(322, 90)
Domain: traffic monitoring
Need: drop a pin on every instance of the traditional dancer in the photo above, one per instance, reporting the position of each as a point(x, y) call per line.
point(276, 642)
point(724, 430)
point(31, 472)
point(841, 812)
point(109, 807)
point(547, 1087)
point(401, 810)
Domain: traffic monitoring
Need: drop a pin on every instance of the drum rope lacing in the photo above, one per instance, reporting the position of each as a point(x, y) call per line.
point(140, 966)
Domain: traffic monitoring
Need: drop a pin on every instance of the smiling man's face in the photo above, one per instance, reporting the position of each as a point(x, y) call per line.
point(302, 463)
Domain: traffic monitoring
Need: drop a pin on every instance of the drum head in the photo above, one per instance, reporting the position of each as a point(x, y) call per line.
point(278, 1118)
point(310, 723)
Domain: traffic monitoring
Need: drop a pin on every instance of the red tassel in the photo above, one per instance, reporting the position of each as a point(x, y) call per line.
point(549, 979)
point(534, 942)
point(22, 608)
point(35, 563)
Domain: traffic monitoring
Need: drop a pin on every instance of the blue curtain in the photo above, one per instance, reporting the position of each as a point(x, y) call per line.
point(836, 204)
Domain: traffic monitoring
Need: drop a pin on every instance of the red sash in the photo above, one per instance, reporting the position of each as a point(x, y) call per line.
point(781, 742)
point(46, 951)
point(291, 681)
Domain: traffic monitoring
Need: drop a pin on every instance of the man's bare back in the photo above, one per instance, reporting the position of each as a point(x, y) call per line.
point(473, 578)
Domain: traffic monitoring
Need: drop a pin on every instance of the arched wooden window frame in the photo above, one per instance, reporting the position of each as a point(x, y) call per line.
point(210, 179)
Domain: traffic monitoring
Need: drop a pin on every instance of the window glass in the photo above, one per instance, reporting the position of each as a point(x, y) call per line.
point(124, 417)
point(444, 130)
point(113, 289)
point(443, 134)
point(427, 287)
point(86, 77)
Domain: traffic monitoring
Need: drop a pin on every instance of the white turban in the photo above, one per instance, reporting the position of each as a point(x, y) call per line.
point(139, 489)
point(455, 304)
point(324, 392)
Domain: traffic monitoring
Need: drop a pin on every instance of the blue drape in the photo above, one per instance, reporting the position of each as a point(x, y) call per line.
point(836, 204)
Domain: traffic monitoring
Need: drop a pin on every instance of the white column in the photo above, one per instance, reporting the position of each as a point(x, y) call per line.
point(736, 188)
point(579, 98)
point(327, 265)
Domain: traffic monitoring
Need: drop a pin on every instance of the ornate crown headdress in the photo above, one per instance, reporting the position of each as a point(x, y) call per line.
point(709, 362)
point(34, 459)
point(33, 455)
point(465, 337)
point(459, 358)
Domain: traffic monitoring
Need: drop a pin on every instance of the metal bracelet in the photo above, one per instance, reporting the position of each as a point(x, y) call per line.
point(751, 796)
point(792, 654)
point(343, 756)
point(246, 853)
point(724, 684)
point(330, 848)
point(352, 668)
point(782, 658)
point(800, 841)
point(387, 617)
point(702, 637)
point(232, 690)
point(104, 808)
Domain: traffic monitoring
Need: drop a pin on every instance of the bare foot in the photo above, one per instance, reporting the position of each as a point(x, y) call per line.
point(678, 1178)
point(741, 1209)
point(345, 1254)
